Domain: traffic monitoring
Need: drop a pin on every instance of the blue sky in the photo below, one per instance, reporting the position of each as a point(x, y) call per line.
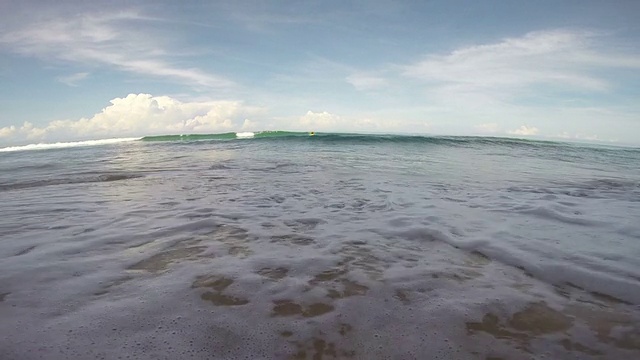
point(75, 70)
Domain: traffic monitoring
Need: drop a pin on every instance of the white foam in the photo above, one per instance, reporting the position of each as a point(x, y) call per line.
point(60, 145)
point(245, 135)
point(133, 268)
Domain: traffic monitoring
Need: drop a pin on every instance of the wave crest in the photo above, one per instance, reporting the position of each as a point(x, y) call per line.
point(62, 145)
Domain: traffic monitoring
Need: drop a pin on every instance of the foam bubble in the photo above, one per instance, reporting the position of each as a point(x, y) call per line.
point(245, 135)
point(62, 145)
point(311, 260)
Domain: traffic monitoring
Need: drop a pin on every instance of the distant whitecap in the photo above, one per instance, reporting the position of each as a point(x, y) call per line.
point(245, 135)
point(60, 145)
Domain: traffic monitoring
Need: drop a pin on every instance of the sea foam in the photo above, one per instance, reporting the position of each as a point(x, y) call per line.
point(245, 135)
point(319, 249)
point(61, 145)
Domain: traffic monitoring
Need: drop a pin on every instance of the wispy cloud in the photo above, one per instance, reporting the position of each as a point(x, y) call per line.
point(555, 80)
point(584, 137)
point(73, 79)
point(265, 22)
point(114, 40)
point(366, 82)
point(560, 58)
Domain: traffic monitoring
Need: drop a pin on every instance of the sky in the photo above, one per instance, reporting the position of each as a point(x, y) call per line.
point(80, 70)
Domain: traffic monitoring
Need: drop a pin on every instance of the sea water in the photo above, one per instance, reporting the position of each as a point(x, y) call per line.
point(284, 245)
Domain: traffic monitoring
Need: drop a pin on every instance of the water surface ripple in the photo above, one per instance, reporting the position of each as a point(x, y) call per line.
point(320, 248)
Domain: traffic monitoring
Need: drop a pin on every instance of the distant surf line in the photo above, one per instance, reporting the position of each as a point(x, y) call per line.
point(62, 145)
point(328, 137)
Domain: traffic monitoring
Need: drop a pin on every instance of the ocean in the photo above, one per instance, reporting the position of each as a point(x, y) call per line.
point(282, 245)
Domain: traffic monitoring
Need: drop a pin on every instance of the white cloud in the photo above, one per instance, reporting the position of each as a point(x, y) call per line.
point(559, 58)
point(491, 79)
point(556, 79)
point(524, 130)
point(7, 131)
point(579, 136)
point(143, 114)
point(106, 40)
point(488, 128)
point(264, 22)
point(325, 121)
point(249, 125)
point(364, 82)
point(319, 120)
point(73, 79)
point(30, 131)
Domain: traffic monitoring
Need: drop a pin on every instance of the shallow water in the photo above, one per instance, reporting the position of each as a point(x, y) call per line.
point(320, 247)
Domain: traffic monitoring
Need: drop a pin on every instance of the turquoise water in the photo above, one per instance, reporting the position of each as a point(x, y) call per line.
point(279, 244)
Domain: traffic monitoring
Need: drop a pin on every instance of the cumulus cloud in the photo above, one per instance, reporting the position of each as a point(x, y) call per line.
point(319, 120)
point(7, 131)
point(143, 114)
point(249, 125)
point(524, 130)
point(117, 40)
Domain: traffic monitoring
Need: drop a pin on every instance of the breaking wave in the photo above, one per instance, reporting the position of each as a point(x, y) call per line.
point(61, 145)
